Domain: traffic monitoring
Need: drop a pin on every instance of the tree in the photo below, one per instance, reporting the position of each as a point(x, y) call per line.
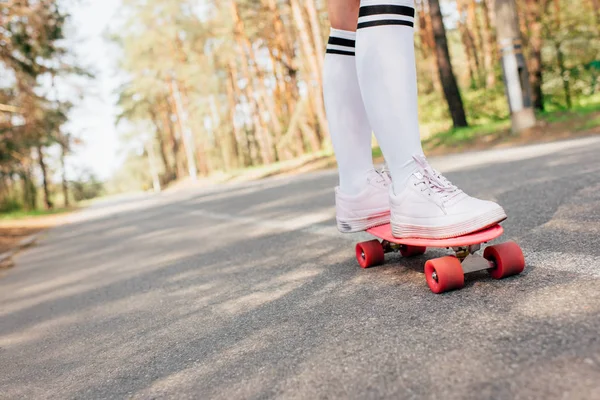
point(467, 37)
point(535, 10)
point(516, 75)
point(490, 49)
point(451, 91)
point(31, 51)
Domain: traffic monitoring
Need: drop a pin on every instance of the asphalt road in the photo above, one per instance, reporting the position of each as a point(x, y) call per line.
point(248, 292)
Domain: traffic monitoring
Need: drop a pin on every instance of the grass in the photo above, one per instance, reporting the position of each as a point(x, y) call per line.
point(260, 171)
point(589, 124)
point(455, 137)
point(460, 137)
point(580, 116)
point(578, 119)
point(22, 214)
point(568, 115)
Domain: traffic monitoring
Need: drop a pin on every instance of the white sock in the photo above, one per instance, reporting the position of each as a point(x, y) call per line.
point(387, 74)
point(348, 122)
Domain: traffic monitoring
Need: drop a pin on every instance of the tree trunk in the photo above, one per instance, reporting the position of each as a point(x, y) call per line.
point(427, 46)
point(242, 142)
point(490, 49)
point(29, 189)
point(309, 133)
point(47, 200)
point(162, 144)
point(178, 158)
point(279, 84)
point(227, 137)
point(289, 34)
point(534, 13)
point(468, 43)
point(257, 109)
point(63, 167)
point(447, 77)
point(309, 55)
point(437, 84)
point(284, 56)
point(316, 34)
point(152, 166)
point(195, 142)
point(255, 98)
point(184, 129)
point(232, 108)
point(475, 29)
point(263, 99)
point(516, 74)
point(250, 128)
point(560, 58)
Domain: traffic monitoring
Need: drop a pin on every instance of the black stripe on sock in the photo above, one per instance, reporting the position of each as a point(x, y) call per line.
point(366, 11)
point(385, 22)
point(342, 42)
point(340, 52)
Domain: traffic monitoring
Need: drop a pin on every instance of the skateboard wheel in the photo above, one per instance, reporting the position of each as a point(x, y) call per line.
point(369, 254)
point(411, 251)
point(444, 274)
point(507, 258)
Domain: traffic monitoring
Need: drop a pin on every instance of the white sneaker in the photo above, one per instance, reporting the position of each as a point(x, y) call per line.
point(431, 207)
point(369, 208)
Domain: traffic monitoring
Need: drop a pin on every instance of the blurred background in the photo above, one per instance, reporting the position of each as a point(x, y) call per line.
point(104, 97)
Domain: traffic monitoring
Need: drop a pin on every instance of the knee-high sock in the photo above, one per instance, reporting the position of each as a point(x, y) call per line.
point(387, 74)
point(348, 122)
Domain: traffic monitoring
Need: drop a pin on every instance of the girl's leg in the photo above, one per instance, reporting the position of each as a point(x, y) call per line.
point(343, 14)
point(423, 203)
point(362, 199)
point(388, 80)
point(348, 123)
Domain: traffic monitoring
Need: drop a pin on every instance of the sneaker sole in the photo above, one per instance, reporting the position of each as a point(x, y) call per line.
point(352, 225)
point(450, 231)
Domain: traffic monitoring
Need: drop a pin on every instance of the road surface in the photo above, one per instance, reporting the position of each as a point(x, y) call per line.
point(247, 291)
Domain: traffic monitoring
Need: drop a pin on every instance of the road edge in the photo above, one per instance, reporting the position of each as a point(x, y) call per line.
point(6, 260)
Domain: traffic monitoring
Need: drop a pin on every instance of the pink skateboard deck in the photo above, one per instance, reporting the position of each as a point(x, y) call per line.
point(385, 232)
point(447, 273)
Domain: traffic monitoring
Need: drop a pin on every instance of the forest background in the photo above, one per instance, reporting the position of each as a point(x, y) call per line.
point(214, 90)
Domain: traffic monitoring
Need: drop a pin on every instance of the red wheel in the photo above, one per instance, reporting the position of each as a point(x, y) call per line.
point(369, 254)
point(508, 259)
point(411, 251)
point(444, 274)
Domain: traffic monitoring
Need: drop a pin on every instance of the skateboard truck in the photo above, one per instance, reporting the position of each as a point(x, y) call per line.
point(470, 261)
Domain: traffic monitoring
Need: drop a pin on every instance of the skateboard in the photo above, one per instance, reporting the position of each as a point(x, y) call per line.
point(447, 273)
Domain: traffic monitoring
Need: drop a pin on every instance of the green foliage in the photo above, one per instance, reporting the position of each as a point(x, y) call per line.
point(486, 105)
point(32, 54)
point(19, 214)
point(87, 187)
point(584, 116)
point(133, 176)
point(460, 136)
point(585, 105)
point(10, 204)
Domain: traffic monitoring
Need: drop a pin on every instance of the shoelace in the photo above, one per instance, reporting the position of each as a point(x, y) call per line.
point(385, 173)
point(380, 178)
point(435, 181)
